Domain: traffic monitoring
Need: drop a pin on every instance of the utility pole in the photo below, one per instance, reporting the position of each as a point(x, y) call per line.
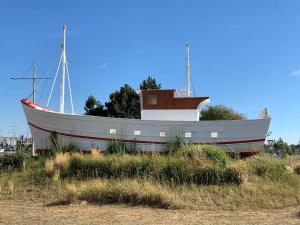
point(13, 139)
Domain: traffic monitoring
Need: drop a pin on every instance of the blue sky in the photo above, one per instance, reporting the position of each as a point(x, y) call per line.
point(244, 54)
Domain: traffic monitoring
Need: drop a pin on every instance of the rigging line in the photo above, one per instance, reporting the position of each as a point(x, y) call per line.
point(26, 71)
point(45, 81)
point(193, 85)
point(71, 98)
point(54, 79)
point(29, 95)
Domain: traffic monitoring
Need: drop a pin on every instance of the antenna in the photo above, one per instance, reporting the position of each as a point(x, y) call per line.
point(187, 70)
point(63, 71)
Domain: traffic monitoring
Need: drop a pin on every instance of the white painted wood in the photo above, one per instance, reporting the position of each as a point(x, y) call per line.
point(171, 115)
point(151, 130)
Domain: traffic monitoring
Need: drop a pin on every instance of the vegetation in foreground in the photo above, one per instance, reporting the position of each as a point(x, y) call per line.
point(198, 177)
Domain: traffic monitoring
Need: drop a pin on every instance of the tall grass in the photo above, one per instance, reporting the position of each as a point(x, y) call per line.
point(57, 166)
point(116, 147)
point(171, 169)
point(273, 169)
point(131, 192)
point(174, 145)
point(209, 152)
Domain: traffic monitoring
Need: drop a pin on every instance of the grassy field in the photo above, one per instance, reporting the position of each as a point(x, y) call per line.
point(71, 189)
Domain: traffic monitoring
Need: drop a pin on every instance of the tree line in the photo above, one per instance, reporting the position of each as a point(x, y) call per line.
point(125, 103)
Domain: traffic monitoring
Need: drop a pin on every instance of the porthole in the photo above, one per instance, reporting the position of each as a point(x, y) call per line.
point(137, 132)
point(112, 131)
point(214, 134)
point(162, 134)
point(187, 134)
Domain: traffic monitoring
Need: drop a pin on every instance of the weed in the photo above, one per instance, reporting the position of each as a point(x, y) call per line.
point(116, 147)
point(297, 169)
point(174, 145)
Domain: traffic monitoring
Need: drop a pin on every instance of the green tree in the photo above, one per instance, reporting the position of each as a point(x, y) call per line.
point(149, 83)
point(124, 103)
point(94, 107)
point(282, 146)
point(220, 112)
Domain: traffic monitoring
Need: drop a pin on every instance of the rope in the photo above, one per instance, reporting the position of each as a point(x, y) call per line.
point(70, 91)
point(26, 71)
point(44, 81)
point(54, 79)
point(193, 86)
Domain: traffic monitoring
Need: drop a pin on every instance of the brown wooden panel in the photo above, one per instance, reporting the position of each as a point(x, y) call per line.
point(167, 99)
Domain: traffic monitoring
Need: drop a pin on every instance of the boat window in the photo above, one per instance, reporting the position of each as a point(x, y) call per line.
point(137, 132)
point(214, 134)
point(187, 134)
point(152, 99)
point(112, 131)
point(162, 134)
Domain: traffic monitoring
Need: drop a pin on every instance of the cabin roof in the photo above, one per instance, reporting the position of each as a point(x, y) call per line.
point(168, 99)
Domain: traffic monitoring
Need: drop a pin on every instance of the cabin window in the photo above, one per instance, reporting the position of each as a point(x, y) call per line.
point(187, 134)
point(152, 99)
point(137, 132)
point(112, 131)
point(162, 134)
point(214, 134)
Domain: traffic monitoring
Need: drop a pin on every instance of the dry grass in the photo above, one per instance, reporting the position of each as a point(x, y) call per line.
point(95, 154)
point(62, 162)
point(131, 192)
point(260, 194)
point(28, 212)
point(57, 166)
point(49, 167)
point(257, 192)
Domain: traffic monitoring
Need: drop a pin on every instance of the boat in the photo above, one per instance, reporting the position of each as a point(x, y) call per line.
point(165, 115)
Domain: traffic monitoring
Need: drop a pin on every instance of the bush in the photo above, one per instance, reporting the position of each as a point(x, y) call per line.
point(15, 161)
point(174, 145)
point(191, 152)
point(216, 154)
point(220, 112)
point(297, 169)
point(275, 170)
point(116, 147)
point(177, 170)
point(55, 146)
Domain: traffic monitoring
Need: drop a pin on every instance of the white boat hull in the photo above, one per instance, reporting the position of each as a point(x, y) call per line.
point(88, 132)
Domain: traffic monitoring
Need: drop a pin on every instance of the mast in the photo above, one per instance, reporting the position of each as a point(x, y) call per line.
point(63, 71)
point(187, 70)
point(33, 82)
point(33, 100)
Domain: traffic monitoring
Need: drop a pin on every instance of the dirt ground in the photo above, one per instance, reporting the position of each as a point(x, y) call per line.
point(20, 212)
